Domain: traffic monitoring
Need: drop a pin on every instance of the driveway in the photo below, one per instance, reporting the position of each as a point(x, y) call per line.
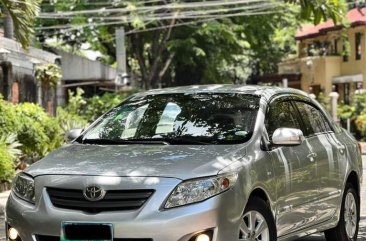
point(316, 237)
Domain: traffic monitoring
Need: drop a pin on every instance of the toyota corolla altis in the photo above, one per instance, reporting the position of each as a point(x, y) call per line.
point(198, 163)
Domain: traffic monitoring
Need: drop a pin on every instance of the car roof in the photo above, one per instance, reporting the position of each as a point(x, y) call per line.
point(263, 91)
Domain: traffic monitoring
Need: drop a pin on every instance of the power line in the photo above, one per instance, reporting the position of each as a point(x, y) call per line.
point(200, 21)
point(190, 23)
point(185, 13)
point(171, 6)
point(164, 16)
point(108, 3)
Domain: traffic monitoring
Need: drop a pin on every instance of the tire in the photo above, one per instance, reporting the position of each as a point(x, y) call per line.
point(258, 210)
point(346, 229)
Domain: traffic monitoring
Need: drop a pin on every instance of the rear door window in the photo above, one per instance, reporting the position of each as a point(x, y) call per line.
point(314, 121)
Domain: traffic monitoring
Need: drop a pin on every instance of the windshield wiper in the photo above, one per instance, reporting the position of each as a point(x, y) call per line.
point(124, 142)
point(183, 140)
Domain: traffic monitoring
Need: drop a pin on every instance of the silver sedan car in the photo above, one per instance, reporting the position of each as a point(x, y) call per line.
point(197, 163)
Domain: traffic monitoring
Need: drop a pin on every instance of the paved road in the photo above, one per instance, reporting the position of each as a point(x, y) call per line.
point(3, 197)
point(316, 237)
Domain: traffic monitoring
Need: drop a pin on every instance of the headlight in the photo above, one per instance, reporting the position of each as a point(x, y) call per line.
point(23, 187)
point(198, 190)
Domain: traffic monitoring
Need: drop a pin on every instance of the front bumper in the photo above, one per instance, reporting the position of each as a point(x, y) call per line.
point(221, 213)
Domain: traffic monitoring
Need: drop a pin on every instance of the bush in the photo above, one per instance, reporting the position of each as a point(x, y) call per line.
point(356, 111)
point(39, 133)
point(89, 109)
point(69, 121)
point(360, 123)
point(8, 152)
point(6, 164)
point(8, 118)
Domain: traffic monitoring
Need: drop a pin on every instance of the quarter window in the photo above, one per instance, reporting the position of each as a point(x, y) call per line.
point(281, 115)
point(314, 121)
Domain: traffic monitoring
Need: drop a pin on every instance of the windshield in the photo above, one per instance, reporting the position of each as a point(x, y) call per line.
point(178, 119)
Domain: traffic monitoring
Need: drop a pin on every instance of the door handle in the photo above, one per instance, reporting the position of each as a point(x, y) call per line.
point(311, 156)
point(341, 149)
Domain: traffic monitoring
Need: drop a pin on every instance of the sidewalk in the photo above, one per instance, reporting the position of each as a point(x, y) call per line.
point(3, 197)
point(363, 148)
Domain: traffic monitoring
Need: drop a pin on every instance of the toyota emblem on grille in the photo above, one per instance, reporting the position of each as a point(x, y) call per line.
point(94, 193)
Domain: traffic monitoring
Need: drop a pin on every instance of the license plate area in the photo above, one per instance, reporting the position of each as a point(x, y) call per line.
point(73, 231)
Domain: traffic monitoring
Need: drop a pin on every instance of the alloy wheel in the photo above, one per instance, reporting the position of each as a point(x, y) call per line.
point(350, 215)
point(253, 227)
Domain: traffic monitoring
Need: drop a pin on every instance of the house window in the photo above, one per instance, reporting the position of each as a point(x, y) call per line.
point(358, 46)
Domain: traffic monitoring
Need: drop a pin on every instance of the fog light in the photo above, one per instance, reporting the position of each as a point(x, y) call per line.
point(13, 234)
point(203, 237)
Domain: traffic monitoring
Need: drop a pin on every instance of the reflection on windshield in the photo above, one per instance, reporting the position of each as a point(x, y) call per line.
point(180, 119)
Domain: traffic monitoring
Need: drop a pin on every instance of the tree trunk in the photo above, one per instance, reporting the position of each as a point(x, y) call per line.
point(8, 25)
point(7, 68)
point(138, 46)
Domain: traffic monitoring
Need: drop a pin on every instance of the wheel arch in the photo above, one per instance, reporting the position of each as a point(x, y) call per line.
point(354, 180)
point(262, 194)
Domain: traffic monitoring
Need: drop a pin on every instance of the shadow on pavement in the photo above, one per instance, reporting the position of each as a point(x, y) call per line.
point(362, 230)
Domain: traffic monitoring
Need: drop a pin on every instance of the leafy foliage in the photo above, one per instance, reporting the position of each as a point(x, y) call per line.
point(222, 50)
point(23, 13)
point(319, 10)
point(356, 111)
point(9, 151)
point(37, 132)
point(12, 144)
point(83, 110)
point(48, 74)
point(6, 163)
point(324, 101)
point(69, 121)
point(8, 118)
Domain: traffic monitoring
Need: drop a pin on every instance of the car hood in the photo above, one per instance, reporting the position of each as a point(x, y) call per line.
point(181, 162)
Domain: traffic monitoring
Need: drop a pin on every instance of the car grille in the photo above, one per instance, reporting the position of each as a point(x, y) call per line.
point(55, 238)
point(114, 200)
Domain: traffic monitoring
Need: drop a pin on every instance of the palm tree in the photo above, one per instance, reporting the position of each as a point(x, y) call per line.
point(23, 14)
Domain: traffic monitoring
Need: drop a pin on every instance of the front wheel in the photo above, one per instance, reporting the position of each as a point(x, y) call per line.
point(347, 228)
point(257, 223)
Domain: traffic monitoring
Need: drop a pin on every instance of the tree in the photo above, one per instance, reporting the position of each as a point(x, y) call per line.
point(167, 46)
point(319, 10)
point(23, 14)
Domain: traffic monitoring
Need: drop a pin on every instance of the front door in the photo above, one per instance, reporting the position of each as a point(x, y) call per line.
point(330, 152)
point(295, 170)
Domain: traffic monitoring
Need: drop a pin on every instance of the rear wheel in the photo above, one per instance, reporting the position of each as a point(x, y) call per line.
point(257, 223)
point(347, 228)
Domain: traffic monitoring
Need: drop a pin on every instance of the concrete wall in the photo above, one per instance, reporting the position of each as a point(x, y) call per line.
point(76, 68)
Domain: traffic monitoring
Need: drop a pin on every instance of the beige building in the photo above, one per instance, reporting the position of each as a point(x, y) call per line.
point(326, 61)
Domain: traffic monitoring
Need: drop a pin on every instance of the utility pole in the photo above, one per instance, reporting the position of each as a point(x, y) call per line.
point(122, 76)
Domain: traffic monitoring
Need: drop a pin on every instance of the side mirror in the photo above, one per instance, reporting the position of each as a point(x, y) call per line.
point(287, 137)
point(73, 134)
